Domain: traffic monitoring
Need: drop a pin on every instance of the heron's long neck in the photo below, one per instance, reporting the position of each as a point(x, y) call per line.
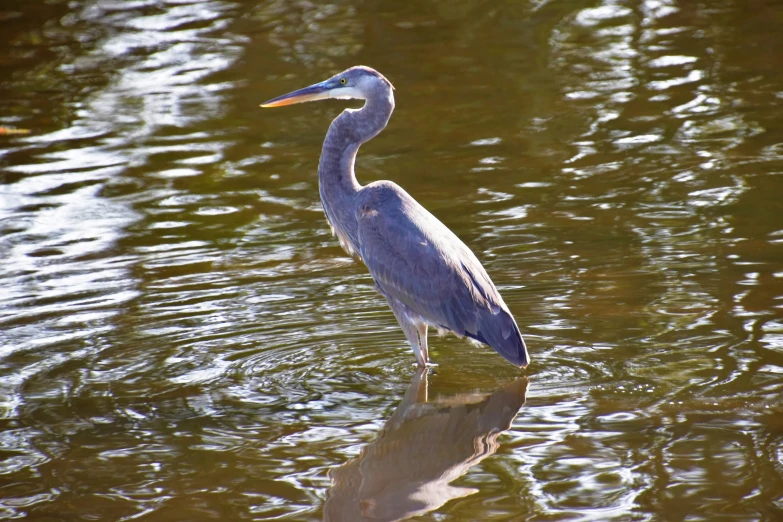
point(336, 178)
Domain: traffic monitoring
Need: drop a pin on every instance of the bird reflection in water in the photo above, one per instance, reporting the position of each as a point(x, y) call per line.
point(423, 447)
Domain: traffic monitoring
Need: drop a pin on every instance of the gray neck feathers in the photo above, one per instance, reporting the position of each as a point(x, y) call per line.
point(336, 177)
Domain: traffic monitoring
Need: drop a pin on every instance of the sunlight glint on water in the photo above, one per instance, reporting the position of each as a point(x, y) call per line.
point(181, 337)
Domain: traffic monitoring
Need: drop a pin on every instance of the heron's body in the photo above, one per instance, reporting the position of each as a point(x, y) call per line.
point(426, 273)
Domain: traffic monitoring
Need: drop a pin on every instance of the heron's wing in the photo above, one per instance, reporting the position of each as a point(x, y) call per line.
point(417, 260)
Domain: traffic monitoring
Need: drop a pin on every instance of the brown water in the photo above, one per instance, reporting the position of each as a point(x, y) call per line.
point(182, 339)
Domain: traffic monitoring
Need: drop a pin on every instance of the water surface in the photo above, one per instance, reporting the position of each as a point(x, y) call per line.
point(182, 339)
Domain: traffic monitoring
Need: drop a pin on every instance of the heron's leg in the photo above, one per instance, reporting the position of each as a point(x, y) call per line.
point(412, 334)
point(422, 330)
point(411, 330)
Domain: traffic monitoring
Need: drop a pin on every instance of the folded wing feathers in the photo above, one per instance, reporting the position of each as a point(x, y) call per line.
point(418, 261)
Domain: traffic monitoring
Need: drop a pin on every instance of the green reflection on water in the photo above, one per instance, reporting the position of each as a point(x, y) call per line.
point(181, 337)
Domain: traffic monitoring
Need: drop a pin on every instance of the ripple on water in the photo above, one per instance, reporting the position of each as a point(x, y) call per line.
point(180, 336)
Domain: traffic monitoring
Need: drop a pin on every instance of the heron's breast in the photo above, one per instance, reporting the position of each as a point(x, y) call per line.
point(343, 238)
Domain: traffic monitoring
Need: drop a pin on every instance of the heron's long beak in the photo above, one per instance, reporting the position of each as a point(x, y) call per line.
point(319, 91)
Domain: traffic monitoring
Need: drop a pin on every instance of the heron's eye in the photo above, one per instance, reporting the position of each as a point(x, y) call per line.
point(343, 81)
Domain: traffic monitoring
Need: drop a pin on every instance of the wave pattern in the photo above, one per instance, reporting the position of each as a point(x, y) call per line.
point(180, 336)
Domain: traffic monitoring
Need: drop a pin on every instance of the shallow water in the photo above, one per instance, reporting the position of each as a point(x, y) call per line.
point(182, 339)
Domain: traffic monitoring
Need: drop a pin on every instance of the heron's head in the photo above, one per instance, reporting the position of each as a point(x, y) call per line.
point(359, 83)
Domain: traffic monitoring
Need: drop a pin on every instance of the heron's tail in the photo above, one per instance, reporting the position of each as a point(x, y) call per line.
point(500, 331)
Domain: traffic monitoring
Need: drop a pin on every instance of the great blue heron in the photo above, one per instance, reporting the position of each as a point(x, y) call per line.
point(428, 276)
